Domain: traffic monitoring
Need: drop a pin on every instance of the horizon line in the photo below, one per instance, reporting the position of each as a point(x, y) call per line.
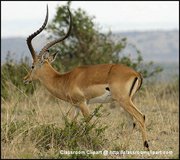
point(113, 32)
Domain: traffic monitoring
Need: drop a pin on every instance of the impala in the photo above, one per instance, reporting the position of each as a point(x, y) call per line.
point(101, 83)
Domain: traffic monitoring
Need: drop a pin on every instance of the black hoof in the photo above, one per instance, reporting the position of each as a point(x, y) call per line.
point(144, 117)
point(134, 125)
point(146, 145)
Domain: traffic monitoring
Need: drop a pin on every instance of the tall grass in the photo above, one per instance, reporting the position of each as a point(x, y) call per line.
point(25, 125)
point(37, 125)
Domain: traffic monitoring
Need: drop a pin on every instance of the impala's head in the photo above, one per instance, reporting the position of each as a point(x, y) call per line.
point(43, 57)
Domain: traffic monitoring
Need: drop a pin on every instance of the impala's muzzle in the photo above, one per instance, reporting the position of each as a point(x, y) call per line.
point(27, 80)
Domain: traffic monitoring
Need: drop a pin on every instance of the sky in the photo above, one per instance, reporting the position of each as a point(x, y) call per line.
point(19, 19)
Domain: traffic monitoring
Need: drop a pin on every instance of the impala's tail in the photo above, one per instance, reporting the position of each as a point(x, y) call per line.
point(140, 81)
point(136, 85)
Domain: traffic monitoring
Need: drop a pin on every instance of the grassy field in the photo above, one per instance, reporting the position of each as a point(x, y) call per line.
point(37, 126)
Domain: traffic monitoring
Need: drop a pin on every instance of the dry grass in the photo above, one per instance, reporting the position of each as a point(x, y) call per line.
point(159, 103)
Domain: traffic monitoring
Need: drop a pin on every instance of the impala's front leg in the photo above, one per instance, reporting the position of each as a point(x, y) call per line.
point(74, 113)
point(85, 110)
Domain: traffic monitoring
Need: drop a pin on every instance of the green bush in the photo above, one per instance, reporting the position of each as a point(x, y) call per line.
point(12, 78)
point(74, 136)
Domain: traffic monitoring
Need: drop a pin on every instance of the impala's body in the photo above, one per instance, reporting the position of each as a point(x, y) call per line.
point(85, 83)
point(89, 84)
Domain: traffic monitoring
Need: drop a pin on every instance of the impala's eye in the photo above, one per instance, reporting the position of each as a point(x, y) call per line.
point(32, 67)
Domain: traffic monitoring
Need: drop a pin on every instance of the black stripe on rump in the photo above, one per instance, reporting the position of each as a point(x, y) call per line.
point(132, 86)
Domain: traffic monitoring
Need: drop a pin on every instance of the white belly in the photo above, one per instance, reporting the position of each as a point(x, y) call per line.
point(105, 98)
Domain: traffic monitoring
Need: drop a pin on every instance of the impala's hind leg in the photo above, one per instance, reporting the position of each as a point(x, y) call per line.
point(123, 94)
point(140, 118)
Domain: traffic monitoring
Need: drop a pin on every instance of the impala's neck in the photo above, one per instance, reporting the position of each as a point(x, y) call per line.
point(52, 80)
point(47, 73)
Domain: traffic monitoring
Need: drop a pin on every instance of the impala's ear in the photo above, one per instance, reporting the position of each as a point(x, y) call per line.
point(46, 55)
point(52, 57)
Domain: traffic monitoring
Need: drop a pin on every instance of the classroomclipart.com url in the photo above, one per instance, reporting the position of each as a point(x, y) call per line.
point(121, 152)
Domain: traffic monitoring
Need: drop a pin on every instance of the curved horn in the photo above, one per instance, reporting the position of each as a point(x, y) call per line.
point(29, 39)
point(50, 44)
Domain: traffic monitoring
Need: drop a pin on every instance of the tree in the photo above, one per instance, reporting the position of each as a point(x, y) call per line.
point(86, 45)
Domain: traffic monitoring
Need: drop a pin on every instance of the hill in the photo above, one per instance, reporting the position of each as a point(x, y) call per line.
point(158, 46)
